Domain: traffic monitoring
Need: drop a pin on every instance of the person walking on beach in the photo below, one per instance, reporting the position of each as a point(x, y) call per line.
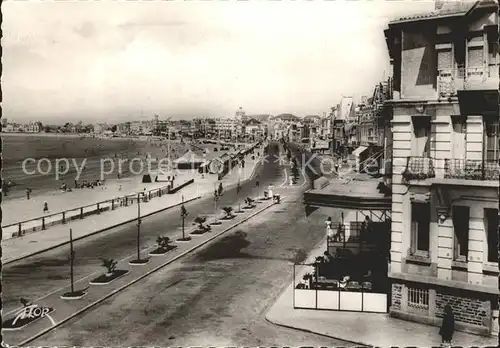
point(448, 326)
point(45, 207)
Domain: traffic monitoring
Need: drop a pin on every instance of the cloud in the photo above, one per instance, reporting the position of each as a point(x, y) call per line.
point(191, 58)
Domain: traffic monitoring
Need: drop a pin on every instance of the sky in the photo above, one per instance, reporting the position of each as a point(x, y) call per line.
point(118, 61)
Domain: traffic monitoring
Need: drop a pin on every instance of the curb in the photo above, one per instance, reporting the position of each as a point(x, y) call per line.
point(114, 292)
point(358, 344)
point(98, 231)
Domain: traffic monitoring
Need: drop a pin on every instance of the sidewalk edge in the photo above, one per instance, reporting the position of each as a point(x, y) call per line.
point(25, 342)
point(273, 322)
point(98, 231)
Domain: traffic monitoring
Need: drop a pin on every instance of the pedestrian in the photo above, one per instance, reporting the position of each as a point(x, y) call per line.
point(28, 192)
point(448, 325)
point(45, 207)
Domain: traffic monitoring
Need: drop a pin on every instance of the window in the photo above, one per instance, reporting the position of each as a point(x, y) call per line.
point(420, 228)
point(492, 141)
point(475, 57)
point(418, 298)
point(445, 60)
point(491, 222)
point(459, 137)
point(421, 143)
point(460, 217)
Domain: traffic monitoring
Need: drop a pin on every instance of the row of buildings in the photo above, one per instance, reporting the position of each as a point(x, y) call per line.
point(435, 126)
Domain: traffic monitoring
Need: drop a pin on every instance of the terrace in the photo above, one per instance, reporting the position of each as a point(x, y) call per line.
point(450, 81)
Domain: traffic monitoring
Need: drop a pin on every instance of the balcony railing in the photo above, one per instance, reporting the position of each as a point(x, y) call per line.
point(419, 168)
point(451, 80)
point(471, 169)
point(446, 83)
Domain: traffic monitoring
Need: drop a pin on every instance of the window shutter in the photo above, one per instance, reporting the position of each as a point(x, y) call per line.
point(444, 59)
point(475, 57)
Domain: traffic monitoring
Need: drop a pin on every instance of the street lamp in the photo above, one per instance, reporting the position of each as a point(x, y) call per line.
point(139, 261)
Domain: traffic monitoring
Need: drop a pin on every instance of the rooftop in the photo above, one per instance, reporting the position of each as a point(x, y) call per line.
point(443, 9)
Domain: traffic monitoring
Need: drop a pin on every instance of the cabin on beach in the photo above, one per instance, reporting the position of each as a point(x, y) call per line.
point(189, 160)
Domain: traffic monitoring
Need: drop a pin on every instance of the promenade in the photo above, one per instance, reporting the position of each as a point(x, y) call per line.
point(36, 242)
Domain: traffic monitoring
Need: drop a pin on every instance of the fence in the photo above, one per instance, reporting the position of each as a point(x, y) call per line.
point(43, 222)
point(342, 300)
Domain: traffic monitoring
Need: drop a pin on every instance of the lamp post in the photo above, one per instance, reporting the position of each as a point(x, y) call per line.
point(139, 261)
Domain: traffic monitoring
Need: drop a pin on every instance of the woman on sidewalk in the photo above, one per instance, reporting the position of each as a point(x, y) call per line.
point(448, 326)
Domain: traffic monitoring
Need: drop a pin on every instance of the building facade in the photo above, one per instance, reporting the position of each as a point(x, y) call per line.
point(444, 229)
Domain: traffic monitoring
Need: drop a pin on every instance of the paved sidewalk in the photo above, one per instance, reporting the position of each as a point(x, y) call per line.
point(65, 309)
point(368, 329)
point(29, 244)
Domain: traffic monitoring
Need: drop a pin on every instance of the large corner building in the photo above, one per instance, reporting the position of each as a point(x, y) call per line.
point(444, 239)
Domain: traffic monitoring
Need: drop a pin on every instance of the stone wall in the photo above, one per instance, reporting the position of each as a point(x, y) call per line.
point(467, 310)
point(396, 295)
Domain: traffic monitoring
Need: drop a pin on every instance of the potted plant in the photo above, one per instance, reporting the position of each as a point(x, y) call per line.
point(163, 246)
point(229, 213)
point(200, 220)
point(110, 266)
point(250, 203)
point(111, 272)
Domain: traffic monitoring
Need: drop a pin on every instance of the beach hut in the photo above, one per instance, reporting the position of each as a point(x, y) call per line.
point(189, 160)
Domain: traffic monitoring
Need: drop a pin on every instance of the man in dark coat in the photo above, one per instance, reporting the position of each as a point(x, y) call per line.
point(448, 326)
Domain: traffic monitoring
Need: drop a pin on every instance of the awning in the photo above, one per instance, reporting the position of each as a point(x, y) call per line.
point(359, 150)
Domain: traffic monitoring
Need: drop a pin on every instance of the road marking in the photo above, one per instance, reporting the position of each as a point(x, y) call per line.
point(286, 178)
point(53, 322)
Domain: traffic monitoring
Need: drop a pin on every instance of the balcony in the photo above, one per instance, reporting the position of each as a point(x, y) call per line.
point(419, 168)
point(450, 81)
point(372, 139)
point(471, 169)
point(477, 78)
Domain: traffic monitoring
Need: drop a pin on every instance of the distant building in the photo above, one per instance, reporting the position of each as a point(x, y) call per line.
point(33, 127)
point(100, 128)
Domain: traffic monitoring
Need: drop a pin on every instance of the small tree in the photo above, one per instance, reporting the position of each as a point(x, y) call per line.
point(249, 201)
point(200, 220)
point(163, 242)
point(109, 264)
point(228, 211)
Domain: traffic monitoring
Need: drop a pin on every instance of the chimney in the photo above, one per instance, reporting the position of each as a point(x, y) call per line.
point(438, 4)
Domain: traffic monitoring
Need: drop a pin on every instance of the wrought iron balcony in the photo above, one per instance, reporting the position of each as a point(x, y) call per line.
point(419, 168)
point(471, 169)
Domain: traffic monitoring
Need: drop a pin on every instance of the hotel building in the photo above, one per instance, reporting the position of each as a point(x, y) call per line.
point(444, 230)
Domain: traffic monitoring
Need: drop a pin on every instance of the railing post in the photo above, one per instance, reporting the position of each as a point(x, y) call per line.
point(483, 169)
point(63, 217)
point(81, 213)
point(43, 223)
point(112, 204)
point(20, 230)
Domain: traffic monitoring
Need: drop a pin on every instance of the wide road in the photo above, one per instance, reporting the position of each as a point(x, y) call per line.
point(42, 274)
point(217, 296)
